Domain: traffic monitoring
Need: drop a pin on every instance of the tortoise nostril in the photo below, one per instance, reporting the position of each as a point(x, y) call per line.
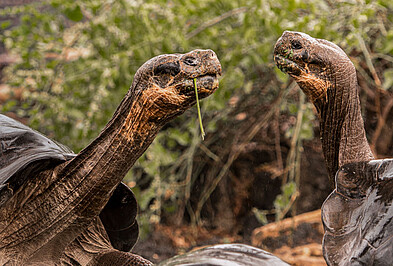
point(191, 61)
point(211, 54)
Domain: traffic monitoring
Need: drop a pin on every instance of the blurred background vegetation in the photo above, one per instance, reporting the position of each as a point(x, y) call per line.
point(67, 64)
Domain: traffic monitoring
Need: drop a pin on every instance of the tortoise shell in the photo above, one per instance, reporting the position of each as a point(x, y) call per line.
point(357, 215)
point(24, 151)
point(226, 255)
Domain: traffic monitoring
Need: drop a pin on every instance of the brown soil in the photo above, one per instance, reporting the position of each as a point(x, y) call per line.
point(296, 240)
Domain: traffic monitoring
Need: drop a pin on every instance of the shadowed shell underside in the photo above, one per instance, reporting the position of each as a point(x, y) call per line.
point(358, 215)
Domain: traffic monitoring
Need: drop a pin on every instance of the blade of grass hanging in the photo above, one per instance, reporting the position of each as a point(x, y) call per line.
point(199, 110)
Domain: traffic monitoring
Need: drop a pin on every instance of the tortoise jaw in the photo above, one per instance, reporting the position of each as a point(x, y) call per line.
point(288, 66)
point(206, 85)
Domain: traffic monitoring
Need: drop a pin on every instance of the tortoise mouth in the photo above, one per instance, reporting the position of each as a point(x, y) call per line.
point(288, 66)
point(206, 85)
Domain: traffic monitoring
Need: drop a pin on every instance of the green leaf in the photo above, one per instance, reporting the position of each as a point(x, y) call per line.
point(74, 14)
point(5, 24)
point(388, 79)
point(260, 215)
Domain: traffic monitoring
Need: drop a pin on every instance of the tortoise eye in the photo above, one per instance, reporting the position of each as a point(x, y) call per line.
point(169, 68)
point(191, 61)
point(296, 45)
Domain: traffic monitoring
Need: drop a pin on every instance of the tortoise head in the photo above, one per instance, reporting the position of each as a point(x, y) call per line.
point(166, 82)
point(315, 64)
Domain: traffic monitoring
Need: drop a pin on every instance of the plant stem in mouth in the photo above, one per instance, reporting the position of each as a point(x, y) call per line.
point(199, 110)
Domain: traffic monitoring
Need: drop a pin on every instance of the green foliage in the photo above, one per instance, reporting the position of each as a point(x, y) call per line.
point(77, 60)
point(388, 79)
point(74, 13)
point(261, 215)
point(306, 127)
point(283, 202)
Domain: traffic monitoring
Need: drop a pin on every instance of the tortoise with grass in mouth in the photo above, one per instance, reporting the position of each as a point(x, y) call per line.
point(57, 207)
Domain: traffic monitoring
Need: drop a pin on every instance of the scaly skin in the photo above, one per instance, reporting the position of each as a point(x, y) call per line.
point(50, 210)
point(327, 76)
point(357, 214)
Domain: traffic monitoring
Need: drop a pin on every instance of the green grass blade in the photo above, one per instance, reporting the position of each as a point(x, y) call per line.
point(199, 110)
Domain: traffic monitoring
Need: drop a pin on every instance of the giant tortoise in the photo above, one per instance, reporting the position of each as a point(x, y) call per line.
point(357, 215)
point(57, 207)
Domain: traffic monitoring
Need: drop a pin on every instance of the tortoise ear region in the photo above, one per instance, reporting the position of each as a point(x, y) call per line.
point(171, 68)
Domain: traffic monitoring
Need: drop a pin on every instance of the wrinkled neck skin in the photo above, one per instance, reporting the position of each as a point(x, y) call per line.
point(341, 124)
point(53, 208)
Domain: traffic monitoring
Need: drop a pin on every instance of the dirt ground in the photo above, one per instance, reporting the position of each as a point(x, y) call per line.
point(296, 240)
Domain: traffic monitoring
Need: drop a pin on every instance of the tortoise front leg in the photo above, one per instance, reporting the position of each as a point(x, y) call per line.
point(93, 247)
point(116, 257)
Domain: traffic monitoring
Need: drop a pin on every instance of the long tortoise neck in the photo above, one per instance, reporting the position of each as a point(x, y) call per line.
point(110, 156)
point(75, 192)
point(342, 130)
point(52, 207)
